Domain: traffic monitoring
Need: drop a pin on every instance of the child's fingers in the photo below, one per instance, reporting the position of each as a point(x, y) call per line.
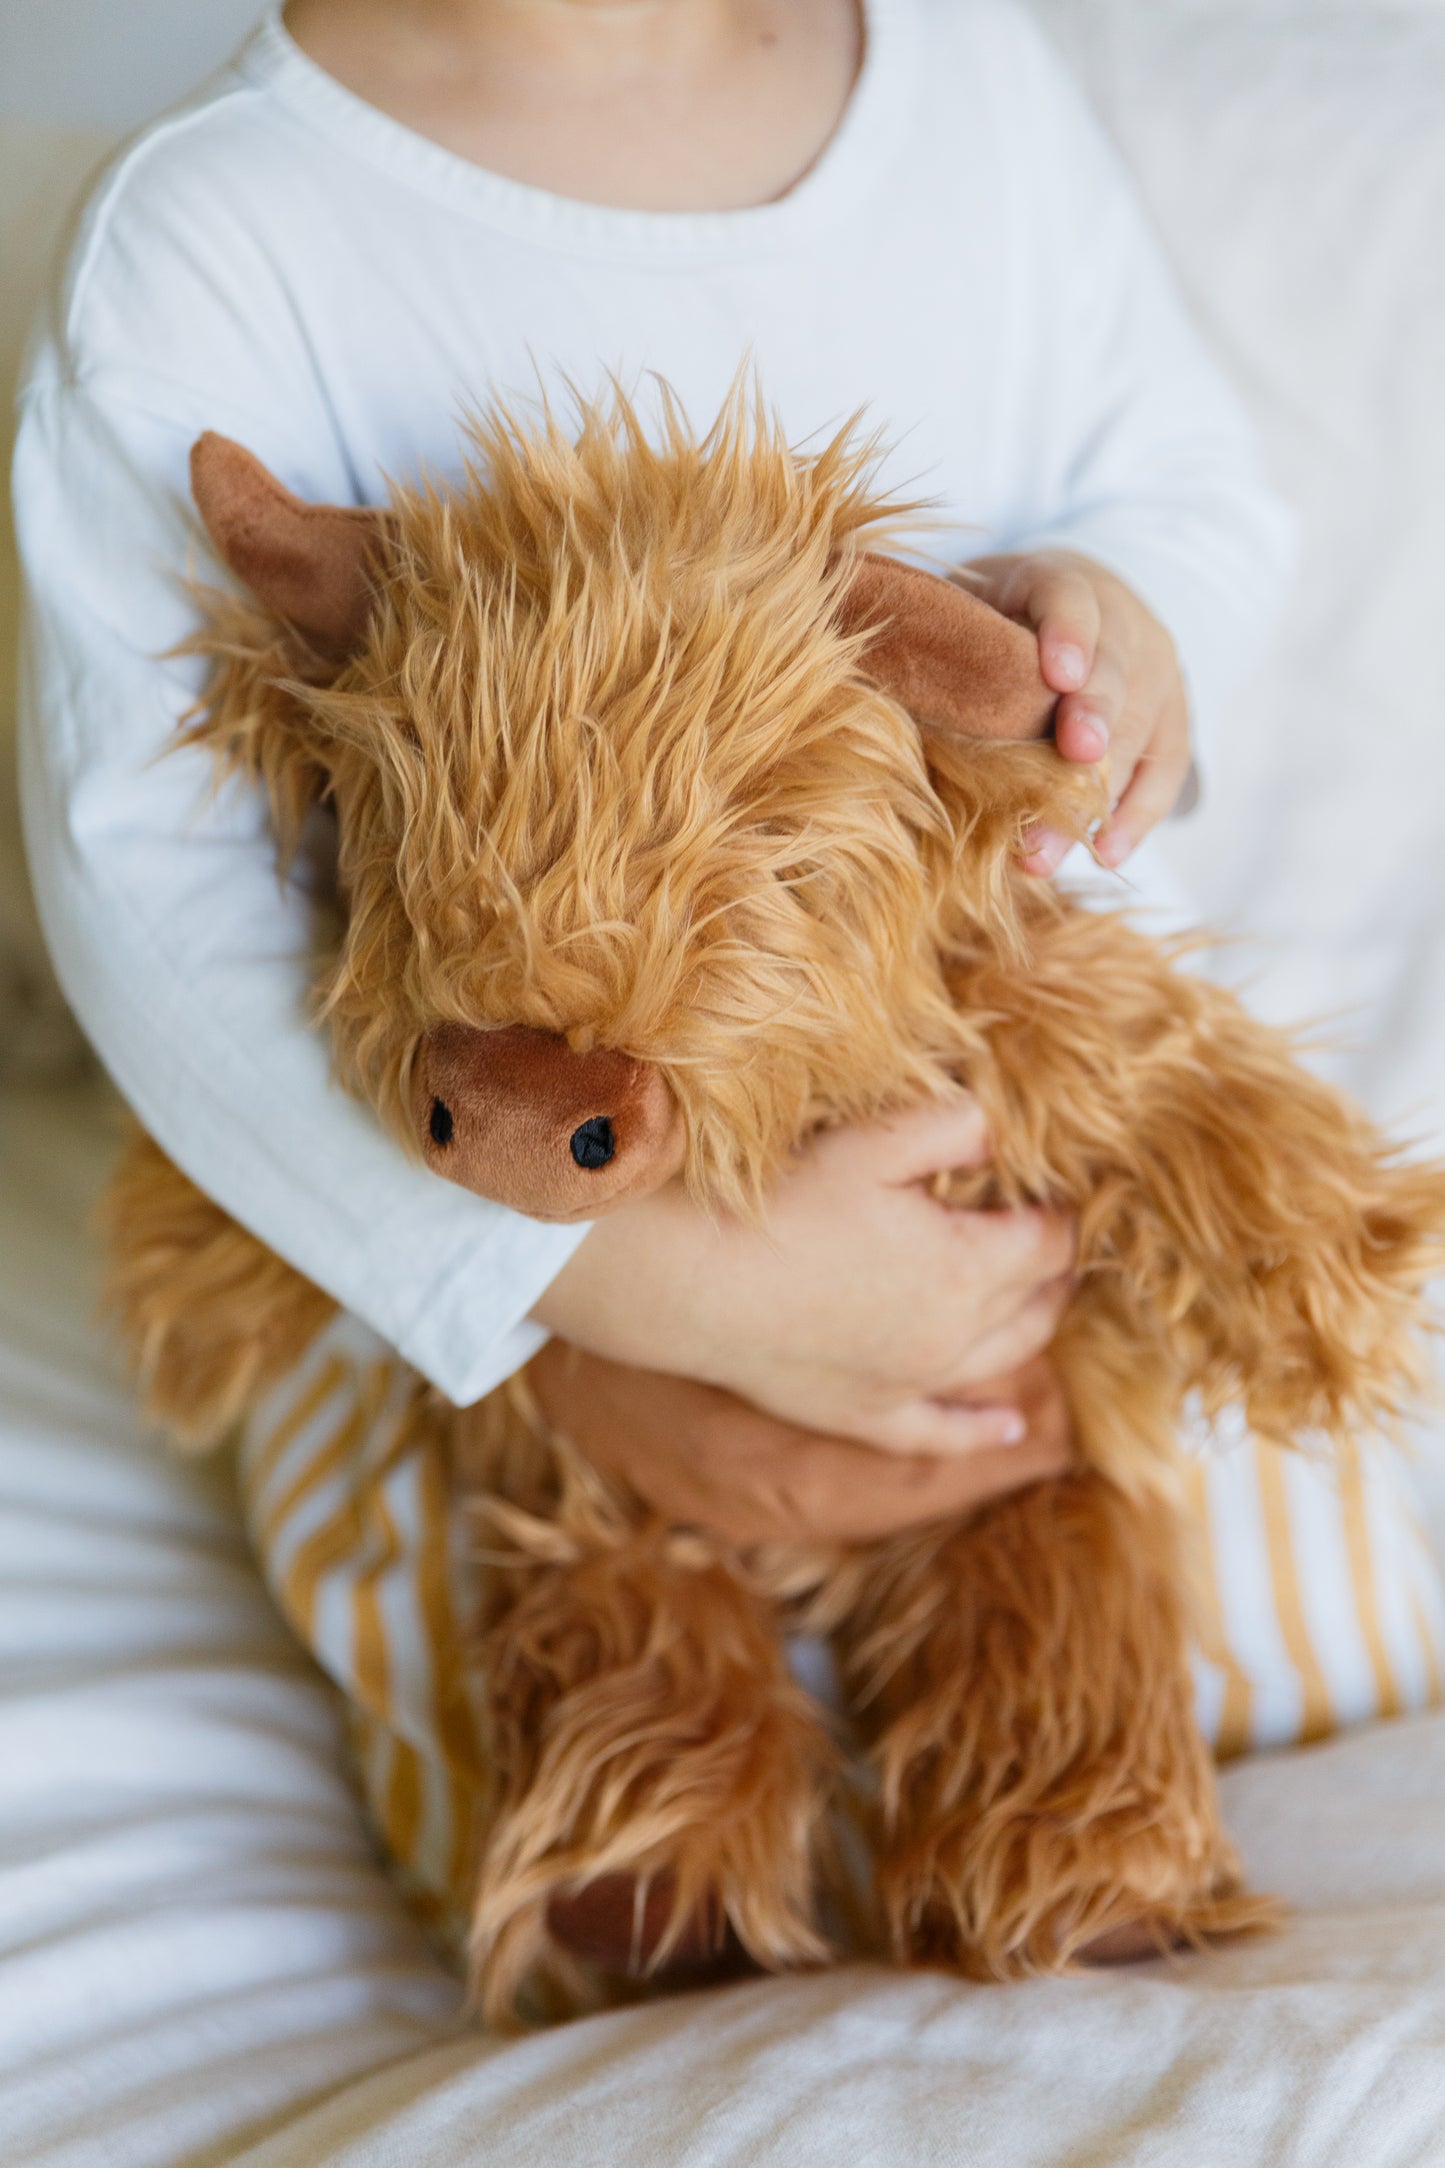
point(1124, 737)
point(839, 1491)
point(701, 1456)
point(1089, 726)
point(1064, 607)
point(1027, 1407)
point(947, 1427)
point(1044, 852)
point(1020, 1338)
point(1087, 720)
point(1153, 791)
point(918, 1144)
point(1023, 1252)
point(1121, 697)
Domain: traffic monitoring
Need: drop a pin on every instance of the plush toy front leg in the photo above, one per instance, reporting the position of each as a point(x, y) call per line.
point(661, 1780)
point(1045, 1792)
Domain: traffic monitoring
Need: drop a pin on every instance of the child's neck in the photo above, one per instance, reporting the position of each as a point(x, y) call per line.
point(657, 105)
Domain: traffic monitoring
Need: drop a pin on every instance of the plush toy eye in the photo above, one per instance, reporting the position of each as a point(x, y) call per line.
point(593, 1143)
point(441, 1124)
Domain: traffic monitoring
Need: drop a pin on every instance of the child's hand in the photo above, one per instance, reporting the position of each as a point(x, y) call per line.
point(864, 1309)
point(1123, 692)
point(702, 1458)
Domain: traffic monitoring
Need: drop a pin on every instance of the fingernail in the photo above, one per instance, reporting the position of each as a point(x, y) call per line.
point(1044, 851)
point(1070, 663)
point(1114, 848)
point(1013, 1431)
point(1095, 727)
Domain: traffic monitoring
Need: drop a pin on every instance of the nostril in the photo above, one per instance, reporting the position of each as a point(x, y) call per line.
point(442, 1124)
point(593, 1143)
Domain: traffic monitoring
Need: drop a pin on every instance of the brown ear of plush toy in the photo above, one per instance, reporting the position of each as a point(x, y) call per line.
point(516, 1115)
point(956, 664)
point(312, 564)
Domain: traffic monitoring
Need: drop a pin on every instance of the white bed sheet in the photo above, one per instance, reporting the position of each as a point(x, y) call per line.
point(195, 1935)
point(202, 1961)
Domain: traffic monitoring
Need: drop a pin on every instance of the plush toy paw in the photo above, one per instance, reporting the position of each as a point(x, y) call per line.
point(1045, 1795)
point(625, 1927)
point(732, 1894)
point(1040, 1896)
point(663, 1781)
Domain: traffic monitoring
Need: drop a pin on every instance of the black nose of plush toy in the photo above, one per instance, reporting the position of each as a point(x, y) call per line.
point(593, 1143)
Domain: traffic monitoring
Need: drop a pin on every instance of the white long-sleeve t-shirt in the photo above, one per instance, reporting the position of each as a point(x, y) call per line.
point(282, 262)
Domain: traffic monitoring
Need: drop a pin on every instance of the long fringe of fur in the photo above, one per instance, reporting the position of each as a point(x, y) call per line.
point(211, 1317)
point(1042, 1781)
point(607, 765)
point(642, 1725)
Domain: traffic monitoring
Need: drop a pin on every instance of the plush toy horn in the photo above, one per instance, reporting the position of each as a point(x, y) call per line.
point(312, 564)
point(956, 664)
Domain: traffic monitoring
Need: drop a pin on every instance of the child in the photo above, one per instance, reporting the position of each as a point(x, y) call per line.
point(386, 209)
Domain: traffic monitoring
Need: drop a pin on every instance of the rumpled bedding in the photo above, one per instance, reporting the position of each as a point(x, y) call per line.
point(202, 1960)
point(195, 1935)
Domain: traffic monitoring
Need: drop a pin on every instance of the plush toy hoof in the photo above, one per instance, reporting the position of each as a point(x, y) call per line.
point(1133, 1942)
point(606, 1925)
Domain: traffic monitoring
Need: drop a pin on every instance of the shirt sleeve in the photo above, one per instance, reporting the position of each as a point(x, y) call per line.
point(1142, 455)
point(186, 957)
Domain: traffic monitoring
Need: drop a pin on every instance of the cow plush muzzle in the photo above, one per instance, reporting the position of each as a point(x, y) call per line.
point(518, 1116)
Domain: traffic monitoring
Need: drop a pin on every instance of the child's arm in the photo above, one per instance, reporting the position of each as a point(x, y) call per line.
point(706, 1459)
point(188, 962)
point(1152, 552)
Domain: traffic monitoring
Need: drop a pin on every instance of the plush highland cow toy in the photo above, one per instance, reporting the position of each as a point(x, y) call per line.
point(675, 821)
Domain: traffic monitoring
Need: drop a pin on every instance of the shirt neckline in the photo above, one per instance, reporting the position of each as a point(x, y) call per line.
point(868, 129)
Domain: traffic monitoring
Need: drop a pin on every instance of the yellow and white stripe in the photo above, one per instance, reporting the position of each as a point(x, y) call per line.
point(1321, 1603)
point(347, 1491)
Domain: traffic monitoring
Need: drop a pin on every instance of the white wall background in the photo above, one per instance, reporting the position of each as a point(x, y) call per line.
point(110, 64)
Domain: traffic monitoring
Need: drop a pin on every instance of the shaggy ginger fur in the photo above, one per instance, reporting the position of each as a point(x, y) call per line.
point(611, 758)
